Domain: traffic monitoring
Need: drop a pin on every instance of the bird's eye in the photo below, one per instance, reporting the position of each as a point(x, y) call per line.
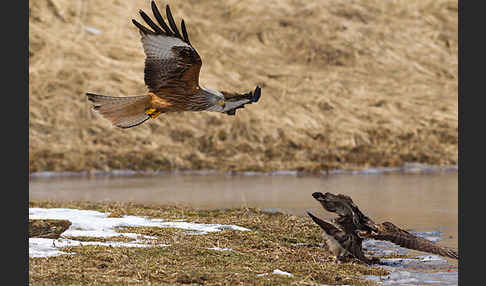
point(221, 102)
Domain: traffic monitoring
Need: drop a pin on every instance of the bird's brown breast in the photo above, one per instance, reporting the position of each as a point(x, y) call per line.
point(158, 102)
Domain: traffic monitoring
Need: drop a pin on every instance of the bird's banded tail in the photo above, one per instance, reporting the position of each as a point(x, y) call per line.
point(123, 112)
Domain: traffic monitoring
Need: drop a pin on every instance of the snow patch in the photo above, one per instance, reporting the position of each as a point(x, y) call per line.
point(45, 247)
point(278, 272)
point(407, 271)
point(416, 278)
point(220, 249)
point(97, 224)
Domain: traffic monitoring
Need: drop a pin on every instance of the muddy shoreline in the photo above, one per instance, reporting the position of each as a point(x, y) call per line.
point(407, 169)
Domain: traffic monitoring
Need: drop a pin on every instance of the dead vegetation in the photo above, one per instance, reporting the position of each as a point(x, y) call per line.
point(48, 228)
point(344, 85)
point(277, 241)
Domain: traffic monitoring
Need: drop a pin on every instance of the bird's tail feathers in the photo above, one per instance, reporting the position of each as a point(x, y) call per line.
point(123, 112)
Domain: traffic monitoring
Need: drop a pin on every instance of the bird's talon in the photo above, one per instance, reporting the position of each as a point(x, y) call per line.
point(152, 112)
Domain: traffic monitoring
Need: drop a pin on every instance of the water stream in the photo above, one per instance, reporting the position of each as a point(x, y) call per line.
point(424, 203)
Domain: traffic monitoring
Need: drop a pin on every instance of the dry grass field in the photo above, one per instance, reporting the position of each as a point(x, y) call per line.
point(345, 84)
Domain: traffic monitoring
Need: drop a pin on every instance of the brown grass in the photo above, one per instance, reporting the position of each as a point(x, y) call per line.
point(274, 243)
point(358, 84)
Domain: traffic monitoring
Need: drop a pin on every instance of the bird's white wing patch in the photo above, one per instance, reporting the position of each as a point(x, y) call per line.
point(159, 47)
point(229, 105)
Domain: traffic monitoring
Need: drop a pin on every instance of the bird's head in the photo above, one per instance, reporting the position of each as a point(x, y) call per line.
point(215, 97)
point(330, 202)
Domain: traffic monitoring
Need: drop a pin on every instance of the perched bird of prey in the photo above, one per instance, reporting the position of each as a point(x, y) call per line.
point(171, 71)
point(359, 227)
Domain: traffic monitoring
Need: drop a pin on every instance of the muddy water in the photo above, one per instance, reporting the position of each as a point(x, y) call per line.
point(420, 202)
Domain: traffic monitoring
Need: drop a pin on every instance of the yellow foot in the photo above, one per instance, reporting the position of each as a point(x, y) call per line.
point(152, 112)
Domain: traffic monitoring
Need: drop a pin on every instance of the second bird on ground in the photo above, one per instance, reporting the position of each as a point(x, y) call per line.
point(352, 227)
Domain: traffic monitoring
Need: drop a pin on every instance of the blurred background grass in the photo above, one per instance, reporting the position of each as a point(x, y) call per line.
point(345, 84)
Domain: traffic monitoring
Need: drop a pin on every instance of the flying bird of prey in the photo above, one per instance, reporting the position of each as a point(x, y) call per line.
point(171, 74)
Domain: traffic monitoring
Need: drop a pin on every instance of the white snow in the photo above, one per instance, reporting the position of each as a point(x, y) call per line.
point(280, 272)
point(407, 271)
point(402, 272)
point(431, 258)
point(417, 278)
point(220, 249)
point(262, 274)
point(97, 224)
point(276, 271)
point(44, 247)
point(419, 260)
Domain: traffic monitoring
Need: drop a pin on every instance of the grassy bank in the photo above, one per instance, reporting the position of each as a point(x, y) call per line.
point(350, 85)
point(274, 243)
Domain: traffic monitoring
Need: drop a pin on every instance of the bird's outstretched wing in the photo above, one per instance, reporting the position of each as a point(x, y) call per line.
point(171, 61)
point(329, 228)
point(339, 236)
point(234, 101)
point(392, 233)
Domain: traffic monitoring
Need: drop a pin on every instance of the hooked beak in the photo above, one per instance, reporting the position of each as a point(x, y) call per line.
point(222, 103)
point(318, 196)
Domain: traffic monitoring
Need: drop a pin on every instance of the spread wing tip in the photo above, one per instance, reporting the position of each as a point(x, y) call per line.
point(142, 29)
point(172, 23)
point(164, 29)
point(257, 94)
point(251, 97)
